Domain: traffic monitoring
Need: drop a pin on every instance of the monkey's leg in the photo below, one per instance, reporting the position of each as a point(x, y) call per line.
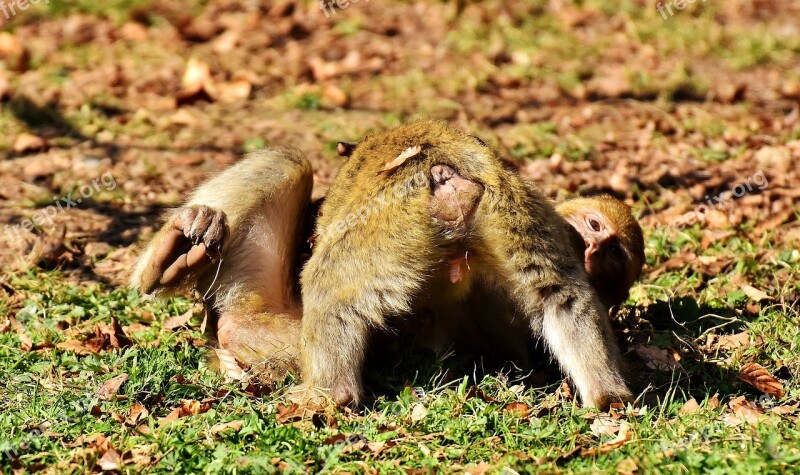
point(526, 239)
point(357, 275)
point(252, 288)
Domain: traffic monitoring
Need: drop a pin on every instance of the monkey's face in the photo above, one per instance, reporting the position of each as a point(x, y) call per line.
point(613, 244)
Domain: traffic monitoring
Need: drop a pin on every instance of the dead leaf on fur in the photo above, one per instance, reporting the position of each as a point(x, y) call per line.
point(757, 376)
point(111, 387)
point(623, 437)
point(689, 407)
point(401, 159)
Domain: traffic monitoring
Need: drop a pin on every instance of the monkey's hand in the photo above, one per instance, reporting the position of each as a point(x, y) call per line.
point(192, 239)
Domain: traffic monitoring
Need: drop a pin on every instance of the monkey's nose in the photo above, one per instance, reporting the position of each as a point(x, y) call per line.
point(591, 248)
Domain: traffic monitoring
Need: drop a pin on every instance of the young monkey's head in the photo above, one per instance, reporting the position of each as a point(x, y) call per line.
point(613, 244)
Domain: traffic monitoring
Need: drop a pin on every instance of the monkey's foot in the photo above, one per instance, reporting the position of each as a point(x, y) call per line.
point(454, 198)
point(193, 239)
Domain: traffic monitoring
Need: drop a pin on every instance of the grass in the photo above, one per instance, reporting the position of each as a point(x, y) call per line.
point(430, 413)
point(53, 411)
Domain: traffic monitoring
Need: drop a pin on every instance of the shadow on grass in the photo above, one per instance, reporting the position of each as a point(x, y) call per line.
point(680, 326)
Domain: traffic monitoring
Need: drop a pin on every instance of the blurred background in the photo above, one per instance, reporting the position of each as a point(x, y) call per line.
point(666, 107)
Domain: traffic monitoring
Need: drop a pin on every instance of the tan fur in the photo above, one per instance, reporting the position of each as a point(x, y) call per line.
point(254, 297)
point(383, 251)
point(382, 266)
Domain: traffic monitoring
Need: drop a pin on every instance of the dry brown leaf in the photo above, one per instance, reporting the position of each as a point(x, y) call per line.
point(658, 358)
point(25, 342)
point(233, 91)
point(196, 76)
point(689, 407)
point(137, 414)
point(713, 402)
point(111, 387)
point(757, 376)
point(110, 461)
point(26, 142)
point(476, 391)
point(730, 342)
point(518, 409)
point(401, 159)
point(755, 294)
point(235, 426)
point(786, 409)
point(743, 411)
point(289, 413)
point(564, 392)
point(623, 437)
point(75, 346)
point(605, 426)
point(418, 412)
point(178, 321)
point(5, 325)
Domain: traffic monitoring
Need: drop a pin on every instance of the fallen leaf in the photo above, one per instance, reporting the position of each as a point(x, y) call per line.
point(743, 411)
point(289, 413)
point(111, 387)
point(730, 342)
point(234, 426)
point(713, 402)
point(605, 426)
point(623, 437)
point(418, 412)
point(627, 466)
point(5, 325)
point(757, 376)
point(26, 142)
point(476, 391)
point(658, 358)
point(110, 461)
point(137, 414)
point(178, 321)
point(401, 159)
point(518, 409)
point(689, 407)
point(755, 294)
point(564, 392)
point(786, 409)
point(25, 342)
point(75, 346)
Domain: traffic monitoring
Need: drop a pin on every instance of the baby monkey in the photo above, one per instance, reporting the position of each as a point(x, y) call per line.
point(395, 262)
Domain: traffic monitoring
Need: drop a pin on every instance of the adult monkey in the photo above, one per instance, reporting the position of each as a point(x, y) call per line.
point(382, 267)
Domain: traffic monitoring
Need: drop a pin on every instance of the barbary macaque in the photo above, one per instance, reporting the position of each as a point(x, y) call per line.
point(608, 238)
point(401, 257)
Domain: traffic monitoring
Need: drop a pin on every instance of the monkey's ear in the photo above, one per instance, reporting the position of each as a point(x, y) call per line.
point(345, 149)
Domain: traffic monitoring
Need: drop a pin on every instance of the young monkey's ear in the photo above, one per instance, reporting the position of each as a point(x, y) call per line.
point(345, 149)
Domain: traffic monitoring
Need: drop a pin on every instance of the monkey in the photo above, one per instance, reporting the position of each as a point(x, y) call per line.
point(611, 242)
point(604, 232)
point(354, 282)
point(383, 268)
